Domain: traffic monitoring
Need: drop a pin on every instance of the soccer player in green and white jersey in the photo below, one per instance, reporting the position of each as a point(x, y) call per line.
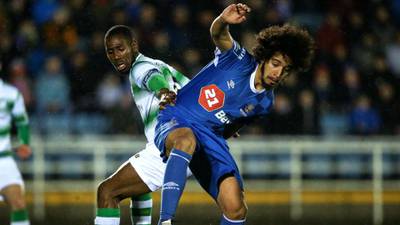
point(12, 109)
point(151, 80)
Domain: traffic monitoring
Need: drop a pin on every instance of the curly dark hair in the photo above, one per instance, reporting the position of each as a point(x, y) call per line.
point(292, 41)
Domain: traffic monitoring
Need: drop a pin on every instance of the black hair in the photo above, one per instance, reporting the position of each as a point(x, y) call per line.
point(122, 30)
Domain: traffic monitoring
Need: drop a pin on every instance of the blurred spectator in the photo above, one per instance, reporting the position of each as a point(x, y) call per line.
point(84, 82)
point(393, 54)
point(161, 46)
point(330, 34)
point(382, 24)
point(323, 86)
point(27, 36)
point(20, 79)
point(364, 50)
point(18, 10)
point(338, 61)
point(291, 87)
point(146, 26)
point(308, 115)
point(98, 62)
point(380, 71)
point(81, 17)
point(248, 40)
point(201, 40)
point(389, 107)
point(115, 101)
point(109, 92)
point(52, 88)
point(44, 10)
point(132, 9)
point(6, 47)
point(192, 61)
point(355, 26)
point(59, 33)
point(364, 119)
point(179, 29)
point(395, 9)
point(282, 119)
point(351, 87)
point(284, 9)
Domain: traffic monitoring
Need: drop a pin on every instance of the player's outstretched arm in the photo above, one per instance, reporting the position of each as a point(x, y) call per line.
point(233, 14)
point(159, 85)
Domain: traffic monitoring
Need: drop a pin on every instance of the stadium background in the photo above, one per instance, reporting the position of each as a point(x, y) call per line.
point(53, 52)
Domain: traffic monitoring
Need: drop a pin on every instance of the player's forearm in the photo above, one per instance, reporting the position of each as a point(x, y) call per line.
point(231, 129)
point(220, 34)
point(24, 134)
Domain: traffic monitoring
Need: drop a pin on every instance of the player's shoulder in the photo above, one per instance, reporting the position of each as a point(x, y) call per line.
point(143, 60)
point(236, 56)
point(143, 63)
point(8, 90)
point(236, 50)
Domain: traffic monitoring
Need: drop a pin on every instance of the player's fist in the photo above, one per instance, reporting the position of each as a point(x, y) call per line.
point(167, 97)
point(235, 13)
point(24, 151)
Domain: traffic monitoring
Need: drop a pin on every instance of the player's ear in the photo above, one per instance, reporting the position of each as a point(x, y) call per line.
point(134, 45)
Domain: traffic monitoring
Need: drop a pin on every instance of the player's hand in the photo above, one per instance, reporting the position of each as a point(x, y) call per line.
point(236, 135)
point(23, 151)
point(235, 13)
point(167, 97)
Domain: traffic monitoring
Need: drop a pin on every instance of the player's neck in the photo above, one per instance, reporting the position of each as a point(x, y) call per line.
point(258, 84)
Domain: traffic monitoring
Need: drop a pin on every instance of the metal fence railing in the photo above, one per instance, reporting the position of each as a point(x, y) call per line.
point(291, 159)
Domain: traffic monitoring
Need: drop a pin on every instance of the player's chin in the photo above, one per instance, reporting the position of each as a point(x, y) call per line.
point(270, 85)
point(123, 71)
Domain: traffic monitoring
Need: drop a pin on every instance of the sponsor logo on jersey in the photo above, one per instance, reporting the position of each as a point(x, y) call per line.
point(221, 116)
point(247, 109)
point(211, 98)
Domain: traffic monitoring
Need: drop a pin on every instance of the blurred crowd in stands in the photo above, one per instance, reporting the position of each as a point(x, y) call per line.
point(53, 52)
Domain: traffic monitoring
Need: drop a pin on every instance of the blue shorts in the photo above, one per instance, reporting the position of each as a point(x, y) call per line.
point(211, 163)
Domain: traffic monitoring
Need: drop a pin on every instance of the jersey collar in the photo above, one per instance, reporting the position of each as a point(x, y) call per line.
point(252, 81)
point(138, 57)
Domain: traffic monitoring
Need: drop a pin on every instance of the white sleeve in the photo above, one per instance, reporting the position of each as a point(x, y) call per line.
point(142, 72)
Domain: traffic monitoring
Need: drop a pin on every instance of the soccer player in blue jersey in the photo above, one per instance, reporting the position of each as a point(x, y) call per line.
point(233, 88)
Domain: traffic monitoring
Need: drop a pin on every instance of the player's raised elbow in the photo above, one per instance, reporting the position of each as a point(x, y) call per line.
point(223, 44)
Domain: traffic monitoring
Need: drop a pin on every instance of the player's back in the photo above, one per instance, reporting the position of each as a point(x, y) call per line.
point(11, 107)
point(223, 91)
point(8, 97)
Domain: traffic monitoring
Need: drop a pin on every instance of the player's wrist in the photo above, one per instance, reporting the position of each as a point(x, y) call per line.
point(222, 20)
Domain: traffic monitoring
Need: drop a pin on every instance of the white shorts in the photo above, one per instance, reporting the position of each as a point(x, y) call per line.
point(9, 173)
point(150, 167)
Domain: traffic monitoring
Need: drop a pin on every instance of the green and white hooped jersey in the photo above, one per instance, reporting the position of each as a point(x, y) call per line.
point(12, 108)
point(146, 101)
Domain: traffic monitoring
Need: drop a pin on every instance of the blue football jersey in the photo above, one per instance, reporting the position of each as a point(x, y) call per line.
point(223, 92)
